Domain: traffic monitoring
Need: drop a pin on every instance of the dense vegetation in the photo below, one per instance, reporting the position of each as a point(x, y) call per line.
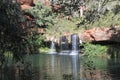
point(15, 38)
point(11, 32)
point(97, 13)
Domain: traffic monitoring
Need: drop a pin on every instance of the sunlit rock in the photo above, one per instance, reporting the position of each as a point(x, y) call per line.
point(101, 34)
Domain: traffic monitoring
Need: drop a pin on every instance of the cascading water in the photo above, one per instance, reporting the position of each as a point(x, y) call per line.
point(52, 47)
point(74, 44)
point(64, 45)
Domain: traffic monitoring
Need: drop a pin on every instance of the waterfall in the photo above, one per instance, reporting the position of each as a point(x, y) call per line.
point(52, 47)
point(74, 44)
point(65, 47)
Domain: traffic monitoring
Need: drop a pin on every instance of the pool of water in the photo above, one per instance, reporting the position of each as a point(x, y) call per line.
point(62, 67)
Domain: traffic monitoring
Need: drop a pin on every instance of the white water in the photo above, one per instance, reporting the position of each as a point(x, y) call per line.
point(75, 44)
point(64, 46)
point(52, 48)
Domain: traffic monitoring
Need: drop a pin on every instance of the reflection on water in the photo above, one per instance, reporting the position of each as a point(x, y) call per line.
point(114, 68)
point(61, 67)
point(75, 67)
point(69, 67)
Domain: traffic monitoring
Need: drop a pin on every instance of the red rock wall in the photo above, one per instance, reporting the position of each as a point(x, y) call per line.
point(26, 4)
point(101, 34)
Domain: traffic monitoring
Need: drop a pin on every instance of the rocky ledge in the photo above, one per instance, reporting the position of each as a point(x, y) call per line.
point(111, 34)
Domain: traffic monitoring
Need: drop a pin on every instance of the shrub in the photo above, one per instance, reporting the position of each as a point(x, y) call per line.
point(92, 50)
point(42, 14)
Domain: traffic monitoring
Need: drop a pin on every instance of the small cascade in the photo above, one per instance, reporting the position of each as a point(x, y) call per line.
point(52, 48)
point(65, 47)
point(74, 44)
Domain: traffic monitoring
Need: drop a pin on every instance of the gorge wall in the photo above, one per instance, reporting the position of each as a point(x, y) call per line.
point(111, 34)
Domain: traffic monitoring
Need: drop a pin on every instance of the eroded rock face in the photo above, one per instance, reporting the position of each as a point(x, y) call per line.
point(101, 34)
point(26, 4)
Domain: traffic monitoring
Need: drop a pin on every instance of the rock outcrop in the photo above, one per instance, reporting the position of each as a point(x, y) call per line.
point(101, 34)
point(26, 4)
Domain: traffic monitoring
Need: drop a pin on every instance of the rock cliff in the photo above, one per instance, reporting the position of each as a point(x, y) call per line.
point(101, 34)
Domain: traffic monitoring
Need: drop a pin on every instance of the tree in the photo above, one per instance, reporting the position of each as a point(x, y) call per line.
point(68, 7)
point(98, 12)
point(42, 14)
point(13, 37)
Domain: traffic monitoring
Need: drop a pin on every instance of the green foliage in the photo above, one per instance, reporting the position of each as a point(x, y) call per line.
point(103, 15)
point(44, 17)
point(105, 20)
point(11, 14)
point(37, 40)
point(43, 14)
point(60, 26)
point(11, 32)
point(14, 38)
point(44, 50)
point(68, 7)
point(33, 42)
point(92, 50)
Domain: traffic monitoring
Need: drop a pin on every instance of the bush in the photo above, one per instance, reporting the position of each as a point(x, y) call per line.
point(42, 14)
point(92, 50)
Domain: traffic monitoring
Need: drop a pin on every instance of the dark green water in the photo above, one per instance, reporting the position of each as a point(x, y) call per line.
point(62, 67)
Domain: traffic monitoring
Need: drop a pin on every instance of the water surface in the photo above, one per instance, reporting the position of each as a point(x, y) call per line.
point(62, 67)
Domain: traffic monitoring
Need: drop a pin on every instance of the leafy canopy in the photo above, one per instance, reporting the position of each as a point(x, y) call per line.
point(43, 14)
